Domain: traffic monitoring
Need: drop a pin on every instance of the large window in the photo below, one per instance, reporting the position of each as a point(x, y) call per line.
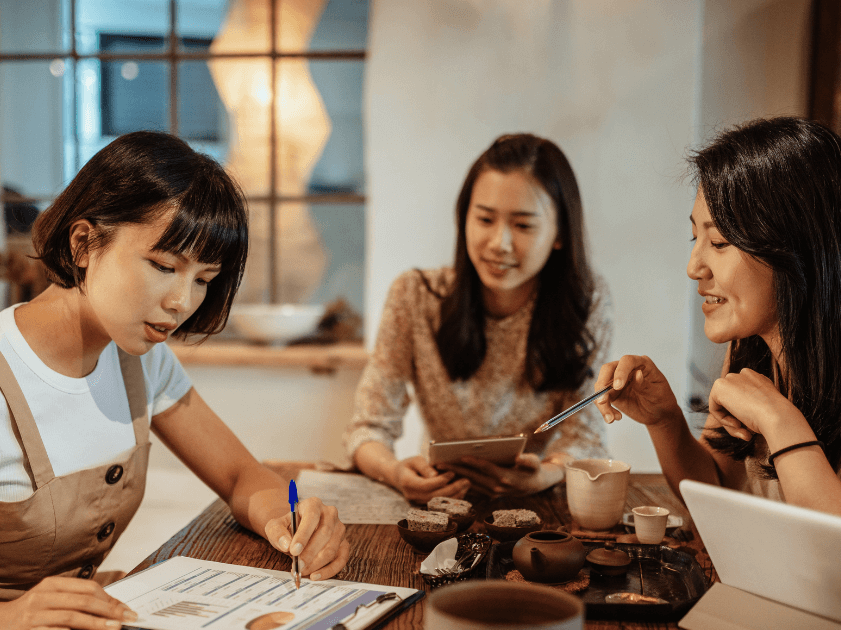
point(270, 88)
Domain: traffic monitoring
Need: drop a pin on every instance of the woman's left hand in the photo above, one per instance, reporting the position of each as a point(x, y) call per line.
point(319, 540)
point(527, 476)
point(747, 402)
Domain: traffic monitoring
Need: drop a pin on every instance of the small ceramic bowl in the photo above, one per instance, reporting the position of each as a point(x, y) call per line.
point(464, 522)
point(425, 541)
point(508, 534)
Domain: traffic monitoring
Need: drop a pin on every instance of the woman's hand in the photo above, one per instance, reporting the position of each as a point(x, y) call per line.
point(319, 540)
point(639, 390)
point(527, 476)
point(58, 602)
point(419, 482)
point(748, 403)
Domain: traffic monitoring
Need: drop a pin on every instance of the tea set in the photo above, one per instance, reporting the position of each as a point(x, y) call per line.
point(596, 494)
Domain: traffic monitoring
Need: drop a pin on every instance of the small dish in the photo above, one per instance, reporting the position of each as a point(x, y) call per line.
point(672, 523)
point(424, 541)
point(508, 534)
point(480, 543)
point(464, 522)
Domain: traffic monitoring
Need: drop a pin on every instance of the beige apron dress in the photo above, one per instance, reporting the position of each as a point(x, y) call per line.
point(68, 526)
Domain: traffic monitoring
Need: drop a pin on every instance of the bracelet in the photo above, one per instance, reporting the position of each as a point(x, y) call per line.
point(773, 456)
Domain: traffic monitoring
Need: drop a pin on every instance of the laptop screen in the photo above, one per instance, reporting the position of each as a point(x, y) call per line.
point(781, 552)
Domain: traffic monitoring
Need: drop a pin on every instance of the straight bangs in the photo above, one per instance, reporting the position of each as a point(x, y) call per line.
point(220, 239)
point(210, 225)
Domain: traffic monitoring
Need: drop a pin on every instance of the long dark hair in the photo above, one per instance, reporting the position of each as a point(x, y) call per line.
point(136, 179)
point(559, 345)
point(773, 187)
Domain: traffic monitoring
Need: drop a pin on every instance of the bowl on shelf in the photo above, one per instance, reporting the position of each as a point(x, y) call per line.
point(275, 323)
point(425, 541)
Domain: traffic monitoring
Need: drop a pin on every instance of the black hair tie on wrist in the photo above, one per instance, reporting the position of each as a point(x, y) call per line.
point(793, 447)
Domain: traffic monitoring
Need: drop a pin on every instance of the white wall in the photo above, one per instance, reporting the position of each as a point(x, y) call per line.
point(755, 62)
point(278, 413)
point(623, 87)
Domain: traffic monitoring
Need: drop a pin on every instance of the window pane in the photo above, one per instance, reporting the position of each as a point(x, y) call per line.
point(320, 254)
point(134, 95)
point(98, 19)
point(31, 128)
point(255, 283)
point(200, 20)
point(33, 27)
point(244, 28)
point(322, 25)
point(341, 229)
point(243, 86)
point(339, 167)
point(201, 115)
point(319, 114)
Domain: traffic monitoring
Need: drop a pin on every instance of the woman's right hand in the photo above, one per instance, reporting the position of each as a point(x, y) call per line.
point(639, 390)
point(419, 482)
point(59, 602)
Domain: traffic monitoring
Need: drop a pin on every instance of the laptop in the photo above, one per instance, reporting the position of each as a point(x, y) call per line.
point(779, 564)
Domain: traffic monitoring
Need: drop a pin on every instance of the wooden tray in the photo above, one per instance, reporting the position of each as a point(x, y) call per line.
point(656, 570)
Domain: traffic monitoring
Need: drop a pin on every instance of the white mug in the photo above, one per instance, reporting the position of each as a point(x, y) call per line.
point(502, 605)
point(650, 523)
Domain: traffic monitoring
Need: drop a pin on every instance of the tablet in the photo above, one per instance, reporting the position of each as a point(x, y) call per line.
point(501, 451)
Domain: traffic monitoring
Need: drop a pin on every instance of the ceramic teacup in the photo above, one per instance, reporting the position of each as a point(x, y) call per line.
point(596, 491)
point(501, 605)
point(650, 523)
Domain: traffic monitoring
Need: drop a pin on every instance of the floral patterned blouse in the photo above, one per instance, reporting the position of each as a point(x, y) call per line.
point(496, 400)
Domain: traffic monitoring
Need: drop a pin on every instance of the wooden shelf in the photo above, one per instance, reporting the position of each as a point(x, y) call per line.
point(320, 359)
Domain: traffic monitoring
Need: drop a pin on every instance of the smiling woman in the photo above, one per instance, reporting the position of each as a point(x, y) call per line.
point(766, 258)
point(497, 344)
point(149, 240)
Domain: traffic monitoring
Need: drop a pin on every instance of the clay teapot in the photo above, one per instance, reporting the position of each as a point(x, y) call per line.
point(548, 556)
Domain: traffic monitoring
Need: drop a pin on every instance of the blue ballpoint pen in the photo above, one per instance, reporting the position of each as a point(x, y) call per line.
point(293, 499)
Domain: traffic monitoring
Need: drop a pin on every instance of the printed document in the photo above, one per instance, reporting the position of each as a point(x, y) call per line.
point(360, 500)
point(188, 594)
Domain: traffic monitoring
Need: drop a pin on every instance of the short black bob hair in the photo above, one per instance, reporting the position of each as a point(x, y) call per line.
point(135, 180)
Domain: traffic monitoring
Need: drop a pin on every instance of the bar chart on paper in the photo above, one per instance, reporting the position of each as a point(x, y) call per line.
point(187, 594)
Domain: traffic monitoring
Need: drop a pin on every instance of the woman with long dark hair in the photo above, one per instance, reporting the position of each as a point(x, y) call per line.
point(767, 258)
point(497, 344)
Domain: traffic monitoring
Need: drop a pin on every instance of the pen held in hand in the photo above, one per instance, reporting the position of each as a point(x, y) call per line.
point(293, 500)
point(551, 422)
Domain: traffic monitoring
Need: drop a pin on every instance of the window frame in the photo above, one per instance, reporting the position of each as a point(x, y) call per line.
point(172, 55)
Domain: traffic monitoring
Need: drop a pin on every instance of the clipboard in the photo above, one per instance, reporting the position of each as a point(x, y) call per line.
point(189, 594)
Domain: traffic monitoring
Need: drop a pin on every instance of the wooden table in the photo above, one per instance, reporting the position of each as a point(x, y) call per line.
point(380, 556)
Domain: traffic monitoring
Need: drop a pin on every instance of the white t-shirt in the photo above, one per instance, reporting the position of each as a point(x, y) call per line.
point(84, 422)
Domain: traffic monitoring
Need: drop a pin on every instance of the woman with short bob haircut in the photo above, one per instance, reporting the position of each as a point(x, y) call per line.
point(143, 176)
point(767, 259)
point(498, 343)
point(148, 241)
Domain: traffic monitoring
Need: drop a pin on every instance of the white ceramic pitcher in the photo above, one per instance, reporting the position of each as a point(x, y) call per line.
point(596, 491)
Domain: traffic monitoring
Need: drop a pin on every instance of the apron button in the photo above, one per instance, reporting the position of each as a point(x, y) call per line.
point(86, 571)
point(105, 532)
point(114, 474)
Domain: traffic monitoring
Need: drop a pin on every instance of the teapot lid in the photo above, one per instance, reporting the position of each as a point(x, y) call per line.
point(609, 556)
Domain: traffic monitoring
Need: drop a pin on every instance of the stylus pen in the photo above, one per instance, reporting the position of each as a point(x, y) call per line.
point(293, 499)
point(551, 422)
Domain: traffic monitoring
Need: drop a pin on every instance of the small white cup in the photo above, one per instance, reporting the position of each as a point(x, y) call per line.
point(650, 523)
